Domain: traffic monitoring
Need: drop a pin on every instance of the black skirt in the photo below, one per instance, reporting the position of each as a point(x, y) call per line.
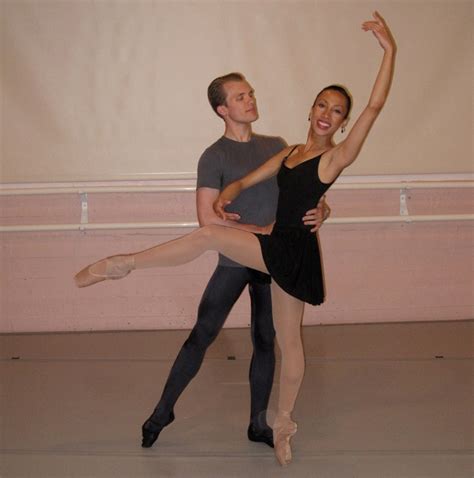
point(292, 257)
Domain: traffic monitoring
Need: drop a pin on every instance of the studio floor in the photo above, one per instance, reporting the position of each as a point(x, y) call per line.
point(378, 401)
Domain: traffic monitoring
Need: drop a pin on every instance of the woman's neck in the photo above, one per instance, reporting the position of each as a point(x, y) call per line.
point(318, 143)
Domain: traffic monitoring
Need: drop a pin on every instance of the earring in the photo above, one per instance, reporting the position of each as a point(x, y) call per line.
point(309, 118)
point(343, 129)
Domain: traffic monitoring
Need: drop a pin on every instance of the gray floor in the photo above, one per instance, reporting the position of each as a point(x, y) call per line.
point(382, 401)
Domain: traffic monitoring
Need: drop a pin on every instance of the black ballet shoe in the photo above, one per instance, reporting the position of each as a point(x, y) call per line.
point(151, 431)
point(260, 435)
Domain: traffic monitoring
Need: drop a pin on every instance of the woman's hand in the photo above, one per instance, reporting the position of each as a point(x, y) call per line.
point(381, 31)
point(226, 196)
point(219, 208)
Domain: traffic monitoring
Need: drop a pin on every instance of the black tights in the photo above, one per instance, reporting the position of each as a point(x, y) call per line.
point(222, 291)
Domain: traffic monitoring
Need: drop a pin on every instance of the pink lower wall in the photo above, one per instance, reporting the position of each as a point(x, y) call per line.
point(382, 272)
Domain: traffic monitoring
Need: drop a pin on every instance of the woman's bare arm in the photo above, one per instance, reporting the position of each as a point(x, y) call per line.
point(347, 151)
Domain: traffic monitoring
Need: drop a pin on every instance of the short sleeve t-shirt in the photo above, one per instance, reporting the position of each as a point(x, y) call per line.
point(226, 161)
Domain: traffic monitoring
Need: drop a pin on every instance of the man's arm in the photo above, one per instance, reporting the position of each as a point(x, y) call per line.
point(205, 198)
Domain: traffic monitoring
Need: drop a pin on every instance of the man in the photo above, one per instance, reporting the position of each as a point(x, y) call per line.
point(232, 156)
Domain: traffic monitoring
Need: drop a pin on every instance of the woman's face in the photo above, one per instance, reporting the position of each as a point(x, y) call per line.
point(328, 113)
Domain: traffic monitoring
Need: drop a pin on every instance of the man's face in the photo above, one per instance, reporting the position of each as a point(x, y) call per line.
point(241, 104)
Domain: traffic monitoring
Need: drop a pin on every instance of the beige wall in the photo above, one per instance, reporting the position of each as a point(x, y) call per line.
point(107, 90)
point(381, 272)
point(116, 90)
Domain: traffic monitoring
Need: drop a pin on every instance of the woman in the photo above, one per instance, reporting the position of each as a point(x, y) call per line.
point(290, 253)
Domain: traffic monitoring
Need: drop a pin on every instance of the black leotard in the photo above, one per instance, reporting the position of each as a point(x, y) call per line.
point(291, 251)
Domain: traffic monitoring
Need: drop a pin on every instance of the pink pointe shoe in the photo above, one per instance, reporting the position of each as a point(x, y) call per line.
point(283, 429)
point(114, 267)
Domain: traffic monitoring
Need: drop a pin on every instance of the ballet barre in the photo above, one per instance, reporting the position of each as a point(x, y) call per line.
point(180, 225)
point(454, 181)
point(25, 190)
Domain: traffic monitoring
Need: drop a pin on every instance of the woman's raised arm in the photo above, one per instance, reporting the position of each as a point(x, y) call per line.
point(346, 152)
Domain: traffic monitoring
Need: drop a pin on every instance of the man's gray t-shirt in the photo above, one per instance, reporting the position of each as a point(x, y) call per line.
point(226, 161)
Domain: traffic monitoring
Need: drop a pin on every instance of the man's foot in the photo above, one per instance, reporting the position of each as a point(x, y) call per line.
point(264, 435)
point(151, 431)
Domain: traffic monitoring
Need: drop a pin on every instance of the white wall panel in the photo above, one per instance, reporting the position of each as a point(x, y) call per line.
point(106, 89)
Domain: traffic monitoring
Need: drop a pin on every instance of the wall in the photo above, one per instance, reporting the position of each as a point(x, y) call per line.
point(375, 272)
point(112, 90)
point(106, 91)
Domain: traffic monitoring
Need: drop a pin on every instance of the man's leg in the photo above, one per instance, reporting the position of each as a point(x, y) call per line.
point(222, 291)
point(262, 366)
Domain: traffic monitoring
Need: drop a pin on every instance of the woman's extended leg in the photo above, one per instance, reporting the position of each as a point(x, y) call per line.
point(287, 318)
point(243, 247)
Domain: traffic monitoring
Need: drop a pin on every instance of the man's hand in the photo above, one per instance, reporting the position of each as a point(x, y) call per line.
point(315, 217)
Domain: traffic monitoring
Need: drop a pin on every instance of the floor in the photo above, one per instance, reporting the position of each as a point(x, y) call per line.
point(399, 406)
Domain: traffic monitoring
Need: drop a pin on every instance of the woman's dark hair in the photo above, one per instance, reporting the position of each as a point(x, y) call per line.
point(215, 91)
point(344, 92)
